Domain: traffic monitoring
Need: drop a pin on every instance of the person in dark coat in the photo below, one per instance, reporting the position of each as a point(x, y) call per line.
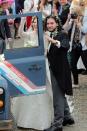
point(60, 74)
point(4, 32)
point(4, 28)
point(64, 11)
point(19, 6)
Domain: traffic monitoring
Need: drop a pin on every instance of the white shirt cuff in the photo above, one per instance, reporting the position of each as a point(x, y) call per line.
point(58, 44)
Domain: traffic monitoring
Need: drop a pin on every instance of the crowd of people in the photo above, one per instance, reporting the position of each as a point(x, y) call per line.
point(64, 34)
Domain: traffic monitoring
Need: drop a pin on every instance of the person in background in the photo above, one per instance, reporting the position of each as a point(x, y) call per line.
point(45, 7)
point(7, 8)
point(19, 5)
point(79, 37)
point(29, 36)
point(55, 8)
point(77, 26)
point(4, 27)
point(58, 4)
point(28, 6)
point(64, 11)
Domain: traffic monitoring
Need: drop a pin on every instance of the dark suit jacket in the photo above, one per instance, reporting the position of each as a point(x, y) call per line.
point(59, 63)
point(4, 28)
point(4, 32)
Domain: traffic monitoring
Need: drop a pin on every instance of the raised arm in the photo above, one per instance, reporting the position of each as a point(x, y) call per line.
point(21, 31)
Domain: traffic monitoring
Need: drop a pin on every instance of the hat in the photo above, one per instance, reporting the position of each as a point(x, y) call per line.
point(6, 1)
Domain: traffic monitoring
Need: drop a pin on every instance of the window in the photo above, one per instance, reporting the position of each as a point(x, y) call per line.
point(24, 32)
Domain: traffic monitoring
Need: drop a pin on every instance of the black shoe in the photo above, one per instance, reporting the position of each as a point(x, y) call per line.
point(80, 71)
point(68, 122)
point(84, 72)
point(54, 129)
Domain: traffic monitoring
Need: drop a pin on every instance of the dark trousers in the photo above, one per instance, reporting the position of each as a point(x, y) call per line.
point(2, 45)
point(61, 108)
point(74, 59)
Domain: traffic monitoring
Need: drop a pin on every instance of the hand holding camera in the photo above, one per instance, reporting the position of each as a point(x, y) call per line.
point(74, 15)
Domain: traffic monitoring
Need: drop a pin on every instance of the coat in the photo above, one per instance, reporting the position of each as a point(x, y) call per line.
point(64, 14)
point(59, 65)
point(4, 28)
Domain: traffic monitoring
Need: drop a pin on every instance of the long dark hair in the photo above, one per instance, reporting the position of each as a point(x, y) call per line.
point(46, 1)
point(56, 19)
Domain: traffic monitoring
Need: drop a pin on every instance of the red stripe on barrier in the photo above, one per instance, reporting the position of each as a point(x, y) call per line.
point(20, 75)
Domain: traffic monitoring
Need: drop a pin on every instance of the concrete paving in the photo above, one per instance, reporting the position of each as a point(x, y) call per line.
point(80, 106)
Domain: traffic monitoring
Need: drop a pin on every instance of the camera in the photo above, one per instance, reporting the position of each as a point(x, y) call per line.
point(74, 16)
